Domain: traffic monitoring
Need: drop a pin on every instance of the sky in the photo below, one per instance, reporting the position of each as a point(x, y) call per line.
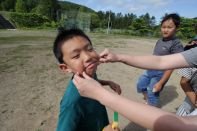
point(157, 8)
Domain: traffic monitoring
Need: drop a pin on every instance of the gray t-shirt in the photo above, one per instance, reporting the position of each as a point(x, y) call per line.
point(166, 47)
point(191, 56)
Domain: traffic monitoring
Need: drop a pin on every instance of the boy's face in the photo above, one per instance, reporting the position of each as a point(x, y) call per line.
point(79, 56)
point(168, 28)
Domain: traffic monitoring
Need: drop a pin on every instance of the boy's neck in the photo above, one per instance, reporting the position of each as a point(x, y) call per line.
point(169, 38)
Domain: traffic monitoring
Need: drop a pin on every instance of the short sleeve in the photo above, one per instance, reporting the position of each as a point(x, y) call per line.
point(177, 47)
point(191, 56)
point(69, 118)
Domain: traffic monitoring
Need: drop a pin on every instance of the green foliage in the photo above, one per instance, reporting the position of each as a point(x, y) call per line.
point(28, 19)
point(187, 28)
point(50, 14)
point(7, 5)
point(21, 6)
point(47, 8)
point(68, 6)
point(94, 21)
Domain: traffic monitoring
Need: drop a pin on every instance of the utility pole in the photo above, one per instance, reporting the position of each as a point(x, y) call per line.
point(109, 20)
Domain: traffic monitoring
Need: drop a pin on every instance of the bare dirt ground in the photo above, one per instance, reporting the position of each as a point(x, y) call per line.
point(31, 85)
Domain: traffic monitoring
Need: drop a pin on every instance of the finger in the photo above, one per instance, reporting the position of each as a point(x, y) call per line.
point(75, 83)
point(103, 53)
point(77, 77)
point(119, 91)
point(103, 60)
point(86, 76)
point(116, 90)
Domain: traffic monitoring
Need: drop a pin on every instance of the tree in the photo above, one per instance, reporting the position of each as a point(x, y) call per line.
point(31, 5)
point(48, 8)
point(95, 21)
point(153, 21)
point(20, 6)
point(7, 5)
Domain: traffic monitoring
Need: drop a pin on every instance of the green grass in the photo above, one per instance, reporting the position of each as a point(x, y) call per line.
point(24, 39)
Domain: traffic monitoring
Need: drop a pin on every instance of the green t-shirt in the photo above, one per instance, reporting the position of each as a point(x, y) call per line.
point(79, 113)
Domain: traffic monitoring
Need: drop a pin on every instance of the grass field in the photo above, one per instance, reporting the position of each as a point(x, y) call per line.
point(31, 85)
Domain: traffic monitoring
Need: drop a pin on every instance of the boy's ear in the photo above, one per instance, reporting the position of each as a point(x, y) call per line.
point(65, 68)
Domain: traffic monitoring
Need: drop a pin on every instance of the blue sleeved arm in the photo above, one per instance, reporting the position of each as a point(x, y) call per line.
point(177, 47)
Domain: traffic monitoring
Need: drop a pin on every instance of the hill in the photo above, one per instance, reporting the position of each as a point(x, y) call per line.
point(65, 5)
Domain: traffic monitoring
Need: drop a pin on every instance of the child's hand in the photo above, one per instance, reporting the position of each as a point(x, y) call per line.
point(107, 56)
point(109, 128)
point(157, 87)
point(193, 42)
point(114, 87)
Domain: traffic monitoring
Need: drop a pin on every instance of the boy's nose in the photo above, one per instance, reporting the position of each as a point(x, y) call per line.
point(86, 56)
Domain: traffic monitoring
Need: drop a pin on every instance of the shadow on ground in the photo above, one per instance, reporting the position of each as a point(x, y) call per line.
point(168, 94)
point(133, 127)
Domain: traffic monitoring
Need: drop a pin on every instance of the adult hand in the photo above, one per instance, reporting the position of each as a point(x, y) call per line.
point(107, 56)
point(86, 86)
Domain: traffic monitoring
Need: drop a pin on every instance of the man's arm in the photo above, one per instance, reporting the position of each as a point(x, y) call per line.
point(144, 115)
point(154, 62)
point(146, 62)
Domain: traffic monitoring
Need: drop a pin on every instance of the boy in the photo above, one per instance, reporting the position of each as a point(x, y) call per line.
point(75, 54)
point(189, 85)
point(152, 81)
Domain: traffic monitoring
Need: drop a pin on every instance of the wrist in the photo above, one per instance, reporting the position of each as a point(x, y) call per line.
point(160, 83)
point(119, 57)
point(103, 96)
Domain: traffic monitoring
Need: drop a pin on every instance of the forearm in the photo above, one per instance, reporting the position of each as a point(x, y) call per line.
point(144, 115)
point(192, 97)
point(154, 62)
point(165, 76)
point(189, 92)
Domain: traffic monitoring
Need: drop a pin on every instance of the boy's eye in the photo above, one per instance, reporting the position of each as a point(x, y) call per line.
point(76, 56)
point(90, 48)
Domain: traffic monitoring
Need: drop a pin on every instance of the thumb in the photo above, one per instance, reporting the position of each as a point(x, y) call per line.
point(86, 76)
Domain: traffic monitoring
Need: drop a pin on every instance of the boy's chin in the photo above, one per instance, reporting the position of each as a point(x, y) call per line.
point(90, 72)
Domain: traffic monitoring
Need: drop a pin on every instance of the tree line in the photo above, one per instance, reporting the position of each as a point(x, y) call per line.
point(130, 23)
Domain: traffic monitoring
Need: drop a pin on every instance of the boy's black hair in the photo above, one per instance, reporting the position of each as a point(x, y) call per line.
point(175, 18)
point(65, 35)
